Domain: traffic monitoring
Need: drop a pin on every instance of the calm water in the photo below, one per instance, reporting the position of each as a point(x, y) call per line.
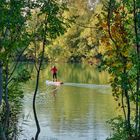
point(77, 110)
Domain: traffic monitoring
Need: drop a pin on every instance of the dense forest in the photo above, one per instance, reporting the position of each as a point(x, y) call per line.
point(105, 33)
point(80, 42)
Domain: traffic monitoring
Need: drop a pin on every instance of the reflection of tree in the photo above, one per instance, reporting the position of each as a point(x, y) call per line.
point(83, 73)
point(79, 107)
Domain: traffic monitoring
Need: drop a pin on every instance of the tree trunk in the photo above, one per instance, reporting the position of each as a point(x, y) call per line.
point(137, 117)
point(2, 133)
point(1, 84)
point(125, 91)
point(34, 107)
point(7, 112)
point(123, 106)
point(37, 83)
point(35, 93)
point(128, 113)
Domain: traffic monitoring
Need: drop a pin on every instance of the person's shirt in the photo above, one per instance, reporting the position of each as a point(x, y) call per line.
point(54, 70)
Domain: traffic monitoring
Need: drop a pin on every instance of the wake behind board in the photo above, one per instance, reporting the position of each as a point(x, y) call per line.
point(58, 83)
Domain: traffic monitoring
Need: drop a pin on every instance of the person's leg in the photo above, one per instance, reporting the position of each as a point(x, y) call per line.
point(55, 76)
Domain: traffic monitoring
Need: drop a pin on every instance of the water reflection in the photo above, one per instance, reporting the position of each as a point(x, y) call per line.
point(71, 111)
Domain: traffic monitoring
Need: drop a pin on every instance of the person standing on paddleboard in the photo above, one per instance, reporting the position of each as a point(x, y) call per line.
point(54, 73)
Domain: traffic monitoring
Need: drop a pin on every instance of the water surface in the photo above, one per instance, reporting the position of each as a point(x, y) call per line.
point(76, 110)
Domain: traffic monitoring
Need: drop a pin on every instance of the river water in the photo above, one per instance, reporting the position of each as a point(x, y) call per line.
point(76, 110)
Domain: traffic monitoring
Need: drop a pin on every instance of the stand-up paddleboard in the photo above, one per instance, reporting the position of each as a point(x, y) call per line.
point(58, 83)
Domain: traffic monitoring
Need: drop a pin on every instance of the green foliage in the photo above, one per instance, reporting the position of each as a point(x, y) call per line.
point(14, 39)
point(48, 20)
point(22, 75)
point(81, 40)
point(119, 129)
point(119, 47)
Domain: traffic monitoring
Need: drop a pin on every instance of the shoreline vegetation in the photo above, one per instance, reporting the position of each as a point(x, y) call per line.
point(94, 61)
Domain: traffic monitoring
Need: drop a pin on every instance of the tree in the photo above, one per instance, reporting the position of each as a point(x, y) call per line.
point(120, 50)
point(13, 39)
point(51, 25)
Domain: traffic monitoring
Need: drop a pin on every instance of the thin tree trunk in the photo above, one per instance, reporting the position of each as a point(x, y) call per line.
point(37, 84)
point(128, 113)
point(34, 107)
point(129, 129)
point(35, 93)
point(123, 106)
point(137, 117)
point(7, 112)
point(1, 83)
point(2, 133)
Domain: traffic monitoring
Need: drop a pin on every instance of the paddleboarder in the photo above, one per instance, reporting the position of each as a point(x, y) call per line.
point(54, 73)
